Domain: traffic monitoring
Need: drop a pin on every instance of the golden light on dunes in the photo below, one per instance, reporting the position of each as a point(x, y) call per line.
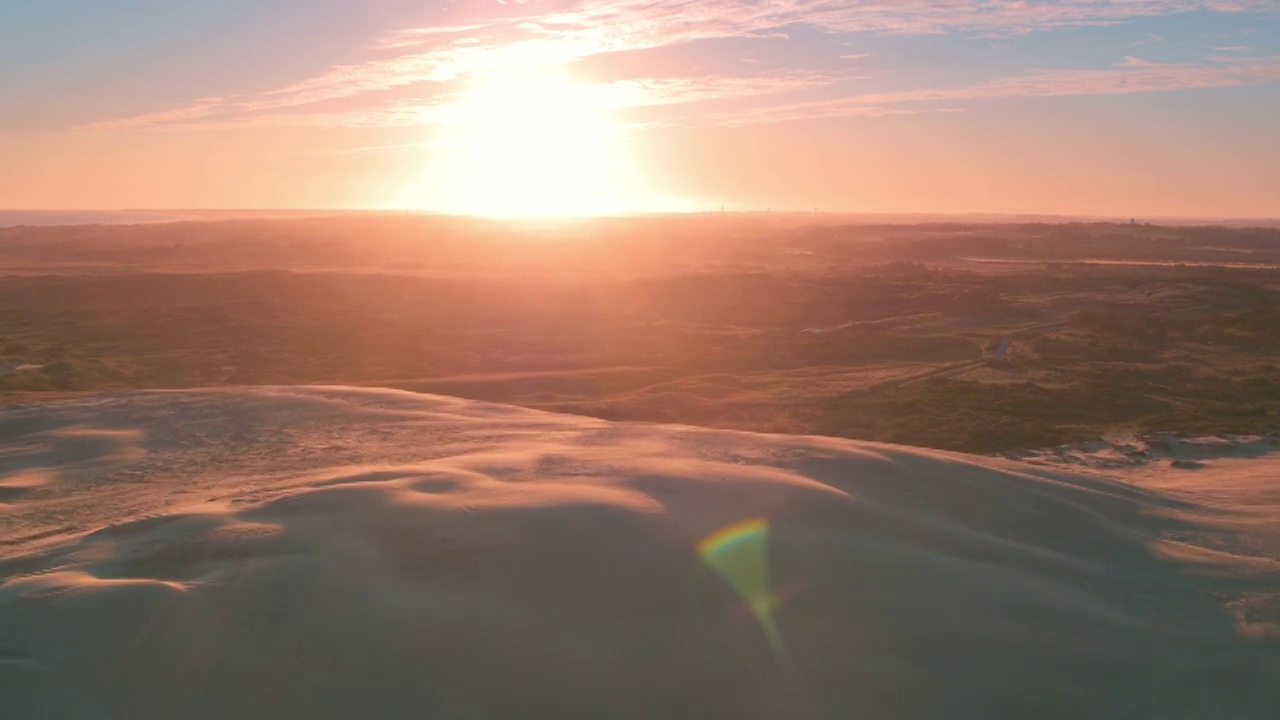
point(532, 144)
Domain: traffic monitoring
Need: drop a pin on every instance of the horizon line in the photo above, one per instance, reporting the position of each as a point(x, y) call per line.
point(1147, 219)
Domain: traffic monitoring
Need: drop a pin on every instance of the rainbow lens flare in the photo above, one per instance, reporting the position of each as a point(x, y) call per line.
point(739, 553)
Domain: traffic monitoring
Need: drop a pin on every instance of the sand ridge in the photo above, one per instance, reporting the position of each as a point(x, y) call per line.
point(332, 552)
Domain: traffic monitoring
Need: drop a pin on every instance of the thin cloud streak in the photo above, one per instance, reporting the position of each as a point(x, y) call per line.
point(1130, 77)
point(615, 96)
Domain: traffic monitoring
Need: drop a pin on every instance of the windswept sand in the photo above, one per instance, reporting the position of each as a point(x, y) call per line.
point(354, 553)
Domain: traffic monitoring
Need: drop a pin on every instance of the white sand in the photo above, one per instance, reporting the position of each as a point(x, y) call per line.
point(343, 553)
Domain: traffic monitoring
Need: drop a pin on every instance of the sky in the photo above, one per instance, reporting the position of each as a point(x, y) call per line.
point(1158, 108)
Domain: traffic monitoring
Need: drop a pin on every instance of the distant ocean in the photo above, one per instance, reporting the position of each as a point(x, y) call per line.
point(10, 218)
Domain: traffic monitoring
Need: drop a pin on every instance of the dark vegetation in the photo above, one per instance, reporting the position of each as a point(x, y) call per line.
point(892, 333)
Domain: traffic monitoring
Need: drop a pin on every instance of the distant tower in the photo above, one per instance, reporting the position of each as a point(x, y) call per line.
point(1133, 221)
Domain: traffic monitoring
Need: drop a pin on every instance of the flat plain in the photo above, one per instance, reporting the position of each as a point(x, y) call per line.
point(973, 337)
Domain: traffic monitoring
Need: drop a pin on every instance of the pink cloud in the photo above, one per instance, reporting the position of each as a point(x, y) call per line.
point(533, 33)
point(201, 108)
point(616, 95)
point(1133, 75)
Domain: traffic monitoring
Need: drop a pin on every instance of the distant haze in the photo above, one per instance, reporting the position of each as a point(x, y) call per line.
point(12, 218)
point(56, 218)
point(53, 218)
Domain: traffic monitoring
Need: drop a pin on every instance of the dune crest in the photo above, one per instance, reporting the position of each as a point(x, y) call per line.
point(339, 552)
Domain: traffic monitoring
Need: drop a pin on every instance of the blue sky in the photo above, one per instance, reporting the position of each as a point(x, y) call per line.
point(351, 99)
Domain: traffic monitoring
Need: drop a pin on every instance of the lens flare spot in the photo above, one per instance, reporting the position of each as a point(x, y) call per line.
point(739, 553)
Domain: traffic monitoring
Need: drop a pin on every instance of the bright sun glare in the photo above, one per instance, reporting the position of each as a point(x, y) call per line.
point(531, 144)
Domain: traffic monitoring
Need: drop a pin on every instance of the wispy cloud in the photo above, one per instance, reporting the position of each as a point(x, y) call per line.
point(450, 109)
point(417, 37)
point(1133, 75)
point(533, 33)
point(202, 108)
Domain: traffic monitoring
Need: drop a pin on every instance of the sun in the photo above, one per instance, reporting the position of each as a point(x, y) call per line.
point(532, 144)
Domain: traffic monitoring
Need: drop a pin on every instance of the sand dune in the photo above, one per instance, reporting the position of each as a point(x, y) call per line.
point(338, 553)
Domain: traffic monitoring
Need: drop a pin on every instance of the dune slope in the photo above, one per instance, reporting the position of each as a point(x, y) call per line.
point(338, 552)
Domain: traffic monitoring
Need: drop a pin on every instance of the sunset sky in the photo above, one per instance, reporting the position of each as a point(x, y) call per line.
point(562, 107)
